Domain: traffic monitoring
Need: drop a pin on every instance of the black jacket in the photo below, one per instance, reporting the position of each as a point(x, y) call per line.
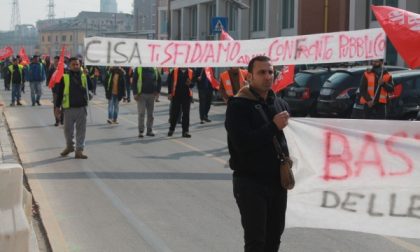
point(121, 84)
point(182, 90)
point(78, 94)
point(250, 137)
point(151, 84)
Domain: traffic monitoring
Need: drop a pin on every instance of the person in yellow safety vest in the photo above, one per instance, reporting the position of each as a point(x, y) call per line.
point(146, 87)
point(180, 82)
point(17, 79)
point(232, 81)
point(72, 96)
point(375, 88)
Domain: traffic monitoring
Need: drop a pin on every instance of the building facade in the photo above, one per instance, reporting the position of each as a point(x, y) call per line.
point(23, 36)
point(71, 32)
point(109, 6)
point(252, 19)
point(145, 15)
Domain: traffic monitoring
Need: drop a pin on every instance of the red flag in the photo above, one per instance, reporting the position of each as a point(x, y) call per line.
point(210, 76)
point(58, 73)
point(209, 71)
point(6, 53)
point(284, 79)
point(403, 29)
point(22, 53)
point(225, 36)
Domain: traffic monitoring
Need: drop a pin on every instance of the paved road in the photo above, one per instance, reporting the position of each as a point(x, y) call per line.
point(151, 194)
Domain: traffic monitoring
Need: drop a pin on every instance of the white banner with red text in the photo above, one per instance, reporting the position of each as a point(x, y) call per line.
point(346, 46)
point(358, 175)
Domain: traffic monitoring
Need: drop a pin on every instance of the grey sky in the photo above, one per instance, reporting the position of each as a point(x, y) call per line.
point(33, 10)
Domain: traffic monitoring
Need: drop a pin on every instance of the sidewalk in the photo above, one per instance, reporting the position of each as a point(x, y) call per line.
point(7, 157)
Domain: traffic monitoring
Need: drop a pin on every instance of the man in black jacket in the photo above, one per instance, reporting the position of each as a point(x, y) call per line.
point(256, 177)
point(180, 93)
point(72, 96)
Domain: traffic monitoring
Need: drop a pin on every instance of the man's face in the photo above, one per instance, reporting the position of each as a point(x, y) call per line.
point(376, 63)
point(262, 76)
point(35, 59)
point(234, 69)
point(75, 66)
point(55, 62)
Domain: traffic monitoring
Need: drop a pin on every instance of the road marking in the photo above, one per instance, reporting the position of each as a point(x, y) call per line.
point(204, 153)
point(209, 155)
point(145, 232)
point(404, 244)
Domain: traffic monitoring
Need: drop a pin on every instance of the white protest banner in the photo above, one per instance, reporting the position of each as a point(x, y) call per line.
point(359, 175)
point(347, 46)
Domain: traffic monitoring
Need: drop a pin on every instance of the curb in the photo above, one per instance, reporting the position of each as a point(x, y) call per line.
point(10, 166)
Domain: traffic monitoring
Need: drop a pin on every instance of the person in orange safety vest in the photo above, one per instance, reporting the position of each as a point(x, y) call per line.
point(232, 81)
point(180, 82)
point(375, 88)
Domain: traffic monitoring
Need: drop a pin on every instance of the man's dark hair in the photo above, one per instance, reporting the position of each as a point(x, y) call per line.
point(74, 58)
point(57, 57)
point(257, 58)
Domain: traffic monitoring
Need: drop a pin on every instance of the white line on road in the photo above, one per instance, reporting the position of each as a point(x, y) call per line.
point(146, 233)
point(407, 245)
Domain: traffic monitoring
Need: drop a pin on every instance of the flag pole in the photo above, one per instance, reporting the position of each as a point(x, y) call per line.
point(87, 90)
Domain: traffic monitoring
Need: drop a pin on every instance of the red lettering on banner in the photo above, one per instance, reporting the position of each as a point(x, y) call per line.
point(352, 47)
point(197, 52)
point(370, 143)
point(342, 159)
point(167, 53)
point(389, 143)
point(153, 57)
point(278, 51)
point(209, 52)
point(339, 155)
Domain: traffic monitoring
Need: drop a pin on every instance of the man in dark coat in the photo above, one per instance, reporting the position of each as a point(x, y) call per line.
point(253, 157)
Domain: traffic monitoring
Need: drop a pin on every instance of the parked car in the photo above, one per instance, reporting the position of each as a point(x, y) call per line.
point(302, 95)
point(404, 102)
point(338, 93)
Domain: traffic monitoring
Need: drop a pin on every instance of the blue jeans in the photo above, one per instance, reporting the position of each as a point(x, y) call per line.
point(16, 89)
point(36, 91)
point(113, 107)
point(128, 90)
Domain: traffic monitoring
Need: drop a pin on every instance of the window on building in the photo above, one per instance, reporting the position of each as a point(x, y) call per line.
point(193, 22)
point(233, 15)
point(288, 14)
point(71, 38)
point(56, 38)
point(393, 3)
point(63, 38)
point(163, 22)
point(42, 38)
point(49, 38)
point(258, 15)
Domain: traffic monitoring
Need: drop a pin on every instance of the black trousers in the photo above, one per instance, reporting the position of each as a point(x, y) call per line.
point(205, 97)
point(378, 112)
point(179, 104)
point(263, 211)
